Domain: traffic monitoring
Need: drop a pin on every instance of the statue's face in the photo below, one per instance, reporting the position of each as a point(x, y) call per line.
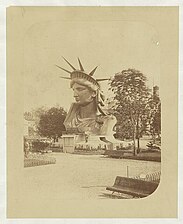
point(82, 94)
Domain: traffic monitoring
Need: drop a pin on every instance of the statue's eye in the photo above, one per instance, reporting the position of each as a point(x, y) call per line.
point(80, 89)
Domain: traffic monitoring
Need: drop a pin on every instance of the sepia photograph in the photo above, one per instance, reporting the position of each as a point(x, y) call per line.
point(102, 121)
point(89, 91)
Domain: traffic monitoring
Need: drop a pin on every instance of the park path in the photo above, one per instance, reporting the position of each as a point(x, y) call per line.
point(80, 176)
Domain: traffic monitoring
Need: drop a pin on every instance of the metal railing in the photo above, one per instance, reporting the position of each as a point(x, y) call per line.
point(152, 177)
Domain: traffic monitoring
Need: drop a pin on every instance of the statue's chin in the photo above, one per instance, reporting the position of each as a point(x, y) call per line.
point(78, 102)
point(83, 103)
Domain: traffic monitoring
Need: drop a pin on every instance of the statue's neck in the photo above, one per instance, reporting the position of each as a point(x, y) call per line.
point(88, 111)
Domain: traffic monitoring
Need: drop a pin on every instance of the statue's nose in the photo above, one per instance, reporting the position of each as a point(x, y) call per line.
point(75, 94)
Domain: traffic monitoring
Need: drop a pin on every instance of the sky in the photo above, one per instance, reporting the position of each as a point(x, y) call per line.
point(112, 45)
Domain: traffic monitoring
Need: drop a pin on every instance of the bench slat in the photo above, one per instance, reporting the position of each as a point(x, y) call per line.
point(134, 187)
point(127, 191)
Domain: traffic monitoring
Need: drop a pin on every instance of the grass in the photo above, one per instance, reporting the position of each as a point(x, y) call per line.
point(144, 155)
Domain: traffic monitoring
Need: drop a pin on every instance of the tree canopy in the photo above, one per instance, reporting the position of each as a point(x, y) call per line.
point(51, 122)
point(131, 96)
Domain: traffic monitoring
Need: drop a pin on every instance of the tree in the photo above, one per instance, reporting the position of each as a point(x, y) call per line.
point(131, 95)
point(154, 105)
point(51, 122)
point(34, 116)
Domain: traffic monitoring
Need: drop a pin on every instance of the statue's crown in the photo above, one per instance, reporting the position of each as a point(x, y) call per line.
point(81, 74)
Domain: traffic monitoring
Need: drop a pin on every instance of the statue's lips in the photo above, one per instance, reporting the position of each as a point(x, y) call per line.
point(76, 99)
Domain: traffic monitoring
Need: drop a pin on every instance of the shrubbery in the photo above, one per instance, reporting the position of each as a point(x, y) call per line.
point(39, 146)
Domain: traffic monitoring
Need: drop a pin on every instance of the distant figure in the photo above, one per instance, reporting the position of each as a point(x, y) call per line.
point(89, 114)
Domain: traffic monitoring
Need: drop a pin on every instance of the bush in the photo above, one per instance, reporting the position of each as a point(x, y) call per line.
point(38, 146)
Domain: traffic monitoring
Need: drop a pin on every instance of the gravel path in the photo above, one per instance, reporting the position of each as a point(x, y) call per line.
point(80, 176)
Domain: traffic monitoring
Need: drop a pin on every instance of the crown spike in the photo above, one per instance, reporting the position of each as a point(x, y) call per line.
point(100, 80)
point(63, 69)
point(80, 65)
point(93, 71)
point(69, 63)
point(64, 77)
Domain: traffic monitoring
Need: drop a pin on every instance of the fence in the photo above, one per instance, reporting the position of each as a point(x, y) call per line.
point(38, 160)
point(153, 177)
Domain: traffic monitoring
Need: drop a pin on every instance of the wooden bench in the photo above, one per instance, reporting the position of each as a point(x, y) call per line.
point(133, 187)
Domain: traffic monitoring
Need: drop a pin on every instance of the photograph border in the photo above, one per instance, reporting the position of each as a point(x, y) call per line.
point(3, 154)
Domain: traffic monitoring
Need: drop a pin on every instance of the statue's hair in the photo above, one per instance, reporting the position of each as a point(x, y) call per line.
point(84, 82)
